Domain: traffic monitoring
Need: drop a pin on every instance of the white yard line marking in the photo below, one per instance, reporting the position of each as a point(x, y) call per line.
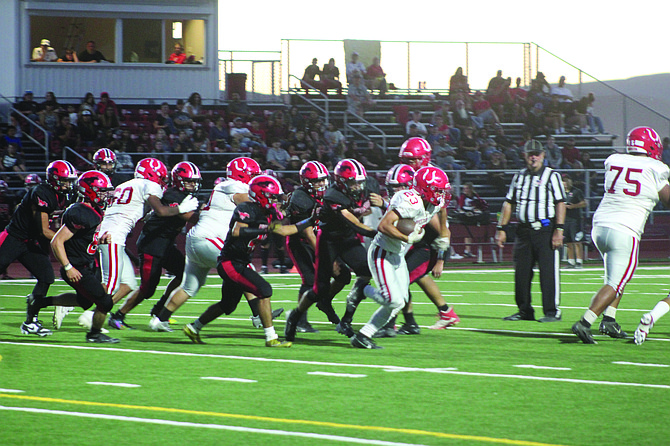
point(338, 364)
point(237, 380)
point(640, 364)
point(341, 375)
point(208, 426)
point(540, 367)
point(100, 383)
point(11, 391)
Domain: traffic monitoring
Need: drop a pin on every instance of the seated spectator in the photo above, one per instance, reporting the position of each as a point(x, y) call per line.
point(87, 131)
point(200, 140)
point(501, 139)
point(125, 142)
point(585, 106)
point(355, 68)
point(572, 157)
point(12, 161)
point(554, 117)
point(218, 134)
point(240, 134)
point(334, 139)
point(358, 97)
point(538, 93)
point(91, 54)
point(109, 119)
point(484, 112)
point(181, 119)
point(50, 97)
point(70, 56)
point(28, 108)
point(183, 143)
point(237, 108)
point(104, 104)
point(420, 126)
point(444, 155)
point(469, 150)
point(195, 108)
point(487, 145)
point(453, 134)
point(375, 78)
point(277, 157)
point(302, 143)
point(164, 120)
point(562, 93)
point(144, 144)
point(294, 164)
point(313, 121)
point(49, 118)
point(88, 103)
point(371, 158)
point(309, 78)
point(276, 128)
point(519, 98)
point(164, 140)
point(296, 120)
point(178, 57)
point(44, 52)
point(498, 162)
point(553, 156)
point(461, 117)
point(66, 134)
point(330, 77)
point(12, 138)
point(325, 155)
point(124, 162)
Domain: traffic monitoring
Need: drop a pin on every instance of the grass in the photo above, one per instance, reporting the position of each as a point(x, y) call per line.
point(483, 382)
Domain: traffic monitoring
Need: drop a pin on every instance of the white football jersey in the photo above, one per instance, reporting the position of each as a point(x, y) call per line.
point(216, 215)
point(128, 206)
point(632, 184)
point(408, 204)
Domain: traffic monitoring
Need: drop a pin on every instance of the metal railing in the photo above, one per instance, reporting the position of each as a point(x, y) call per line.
point(354, 130)
point(33, 126)
point(325, 110)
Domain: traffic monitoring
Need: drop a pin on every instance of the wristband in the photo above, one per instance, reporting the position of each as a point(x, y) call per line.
point(68, 267)
point(304, 224)
point(501, 227)
point(558, 226)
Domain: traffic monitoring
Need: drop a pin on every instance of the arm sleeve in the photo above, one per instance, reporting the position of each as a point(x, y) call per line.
point(511, 193)
point(557, 187)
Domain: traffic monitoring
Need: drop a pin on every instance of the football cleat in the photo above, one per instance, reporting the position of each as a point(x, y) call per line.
point(118, 324)
point(36, 328)
point(256, 320)
point(646, 323)
point(612, 329)
point(583, 332)
point(59, 314)
point(409, 329)
point(291, 326)
point(445, 319)
point(158, 325)
point(100, 338)
point(277, 343)
point(193, 334)
point(359, 340)
point(344, 328)
point(385, 332)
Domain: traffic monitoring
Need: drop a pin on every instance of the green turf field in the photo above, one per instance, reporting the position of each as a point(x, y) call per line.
point(482, 382)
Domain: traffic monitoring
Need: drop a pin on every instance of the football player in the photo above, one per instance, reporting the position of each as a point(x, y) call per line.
point(132, 200)
point(303, 203)
point(156, 245)
point(338, 239)
point(252, 221)
point(27, 235)
point(386, 257)
point(75, 246)
point(634, 183)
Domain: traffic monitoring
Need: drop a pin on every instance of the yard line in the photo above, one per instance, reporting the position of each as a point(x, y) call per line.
point(11, 391)
point(343, 364)
point(640, 364)
point(342, 375)
point(100, 383)
point(237, 380)
point(540, 367)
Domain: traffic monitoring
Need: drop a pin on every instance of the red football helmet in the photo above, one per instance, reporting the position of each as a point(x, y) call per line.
point(153, 170)
point(103, 158)
point(644, 140)
point(95, 187)
point(219, 181)
point(314, 178)
point(243, 169)
point(266, 191)
point(32, 180)
point(399, 177)
point(61, 175)
point(415, 152)
point(350, 178)
point(184, 174)
point(432, 183)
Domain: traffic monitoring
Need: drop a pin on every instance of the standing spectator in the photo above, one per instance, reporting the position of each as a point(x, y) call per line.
point(458, 83)
point(309, 78)
point(420, 126)
point(355, 68)
point(164, 120)
point(618, 225)
point(572, 157)
point(474, 212)
point(91, 54)
point(375, 78)
point(70, 56)
point(277, 157)
point(44, 52)
point(178, 57)
point(330, 77)
point(574, 234)
point(554, 156)
point(105, 103)
point(538, 196)
point(87, 131)
point(358, 97)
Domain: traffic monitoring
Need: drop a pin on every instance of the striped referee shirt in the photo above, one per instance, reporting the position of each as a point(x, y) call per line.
point(535, 194)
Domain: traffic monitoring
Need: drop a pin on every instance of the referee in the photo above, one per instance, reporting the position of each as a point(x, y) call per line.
point(538, 196)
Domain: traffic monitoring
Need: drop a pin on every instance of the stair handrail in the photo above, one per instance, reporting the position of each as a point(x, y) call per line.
point(325, 111)
point(367, 123)
point(33, 125)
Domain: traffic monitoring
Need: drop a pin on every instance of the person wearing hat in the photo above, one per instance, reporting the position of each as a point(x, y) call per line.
point(538, 197)
point(44, 52)
point(355, 68)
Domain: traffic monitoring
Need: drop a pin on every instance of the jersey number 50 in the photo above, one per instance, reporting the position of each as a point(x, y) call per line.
point(627, 178)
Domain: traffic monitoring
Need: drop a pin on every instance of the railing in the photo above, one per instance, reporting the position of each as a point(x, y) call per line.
point(33, 126)
point(326, 101)
point(351, 129)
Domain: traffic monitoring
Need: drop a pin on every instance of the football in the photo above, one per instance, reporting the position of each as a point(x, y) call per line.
point(405, 225)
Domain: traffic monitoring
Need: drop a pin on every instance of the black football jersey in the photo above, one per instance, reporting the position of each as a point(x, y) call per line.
point(7, 203)
point(300, 207)
point(82, 220)
point(240, 248)
point(159, 233)
point(26, 223)
point(332, 223)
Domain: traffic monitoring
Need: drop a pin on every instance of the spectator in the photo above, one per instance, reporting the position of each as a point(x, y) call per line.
point(104, 104)
point(355, 68)
point(562, 93)
point(164, 140)
point(573, 233)
point(181, 119)
point(87, 131)
point(12, 161)
point(536, 120)
point(594, 122)
point(495, 172)
point(126, 142)
point(70, 56)
point(519, 98)
point(11, 138)
point(313, 122)
point(334, 138)
point(375, 78)
point(66, 134)
point(183, 144)
point(164, 120)
point(461, 117)
point(144, 143)
point(109, 119)
point(325, 155)
point(502, 141)
point(453, 134)
point(553, 115)
point(88, 104)
point(358, 97)
point(124, 162)
point(240, 134)
point(587, 163)
point(49, 118)
point(303, 144)
point(91, 54)
point(554, 156)
point(195, 108)
point(469, 150)
point(420, 126)
point(50, 96)
point(483, 110)
point(44, 52)
point(219, 135)
point(495, 89)
point(28, 107)
point(277, 158)
point(276, 128)
point(309, 78)
point(572, 157)
point(473, 211)
point(178, 57)
point(237, 108)
point(487, 144)
point(296, 120)
point(458, 83)
point(330, 77)
point(200, 140)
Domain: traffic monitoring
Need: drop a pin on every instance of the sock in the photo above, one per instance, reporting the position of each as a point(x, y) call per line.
point(444, 308)
point(589, 318)
point(95, 331)
point(270, 333)
point(571, 262)
point(197, 324)
point(160, 304)
point(33, 310)
point(659, 310)
point(118, 315)
point(610, 312)
point(409, 319)
point(164, 315)
point(391, 322)
point(253, 304)
point(281, 256)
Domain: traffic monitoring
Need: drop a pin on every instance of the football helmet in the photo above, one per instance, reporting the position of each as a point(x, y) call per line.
point(314, 178)
point(184, 174)
point(95, 187)
point(644, 140)
point(350, 178)
point(32, 180)
point(4, 187)
point(266, 191)
point(243, 169)
point(152, 169)
point(219, 181)
point(415, 152)
point(432, 183)
point(399, 177)
point(61, 175)
point(105, 160)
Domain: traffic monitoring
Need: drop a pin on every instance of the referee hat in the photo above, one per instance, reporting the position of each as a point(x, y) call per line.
point(533, 146)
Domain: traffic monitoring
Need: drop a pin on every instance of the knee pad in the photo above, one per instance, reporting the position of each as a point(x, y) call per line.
point(106, 304)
